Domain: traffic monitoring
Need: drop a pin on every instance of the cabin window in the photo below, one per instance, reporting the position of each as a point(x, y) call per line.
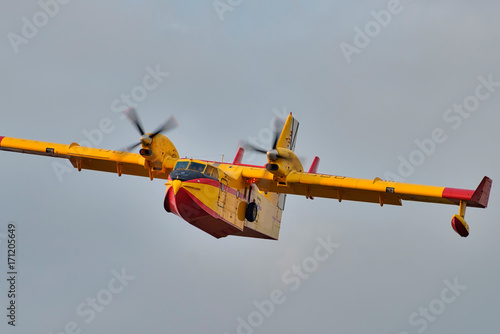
point(215, 173)
point(212, 172)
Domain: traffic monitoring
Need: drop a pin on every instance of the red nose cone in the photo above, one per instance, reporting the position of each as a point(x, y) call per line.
point(460, 226)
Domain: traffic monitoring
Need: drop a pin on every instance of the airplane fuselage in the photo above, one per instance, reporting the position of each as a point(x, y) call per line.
point(212, 197)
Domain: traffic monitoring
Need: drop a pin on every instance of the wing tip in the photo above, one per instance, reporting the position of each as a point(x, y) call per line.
point(475, 198)
point(1, 138)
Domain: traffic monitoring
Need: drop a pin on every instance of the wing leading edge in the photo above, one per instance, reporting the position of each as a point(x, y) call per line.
point(88, 158)
point(373, 191)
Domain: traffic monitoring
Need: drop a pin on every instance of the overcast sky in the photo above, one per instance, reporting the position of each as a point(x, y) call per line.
point(377, 87)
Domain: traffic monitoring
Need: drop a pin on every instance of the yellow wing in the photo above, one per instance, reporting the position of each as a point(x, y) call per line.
point(91, 158)
point(373, 191)
point(284, 174)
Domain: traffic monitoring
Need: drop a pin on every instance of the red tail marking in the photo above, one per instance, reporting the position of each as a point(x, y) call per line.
point(460, 194)
point(314, 166)
point(482, 193)
point(475, 198)
point(239, 156)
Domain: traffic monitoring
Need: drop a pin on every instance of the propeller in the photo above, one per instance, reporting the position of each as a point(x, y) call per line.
point(147, 138)
point(273, 153)
point(131, 113)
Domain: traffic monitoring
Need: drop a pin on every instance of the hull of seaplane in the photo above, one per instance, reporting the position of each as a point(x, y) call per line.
point(199, 202)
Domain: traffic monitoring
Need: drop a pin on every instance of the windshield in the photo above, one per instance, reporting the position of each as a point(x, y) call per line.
point(190, 166)
point(208, 170)
point(197, 167)
point(181, 165)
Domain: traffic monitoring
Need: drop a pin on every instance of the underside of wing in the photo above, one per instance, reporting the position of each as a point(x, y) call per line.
point(373, 191)
point(340, 188)
point(88, 158)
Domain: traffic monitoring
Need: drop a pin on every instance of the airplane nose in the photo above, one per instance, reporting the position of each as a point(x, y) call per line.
point(176, 185)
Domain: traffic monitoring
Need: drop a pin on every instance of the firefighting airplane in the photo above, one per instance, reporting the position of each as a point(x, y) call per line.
point(244, 200)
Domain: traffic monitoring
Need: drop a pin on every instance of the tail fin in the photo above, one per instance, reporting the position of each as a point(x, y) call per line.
point(288, 135)
point(239, 156)
point(286, 140)
point(314, 166)
point(482, 194)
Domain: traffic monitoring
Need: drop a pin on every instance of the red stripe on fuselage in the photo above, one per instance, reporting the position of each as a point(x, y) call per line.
point(207, 181)
point(234, 192)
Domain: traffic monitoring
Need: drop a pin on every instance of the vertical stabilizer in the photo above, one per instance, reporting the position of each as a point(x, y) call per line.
point(288, 135)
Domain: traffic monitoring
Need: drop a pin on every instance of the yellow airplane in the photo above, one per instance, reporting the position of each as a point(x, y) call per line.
point(244, 200)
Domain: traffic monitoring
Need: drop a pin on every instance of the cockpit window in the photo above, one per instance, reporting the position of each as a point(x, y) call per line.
point(197, 167)
point(208, 170)
point(190, 165)
point(181, 165)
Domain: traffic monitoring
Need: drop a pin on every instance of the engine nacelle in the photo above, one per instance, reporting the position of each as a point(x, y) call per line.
point(160, 149)
point(284, 162)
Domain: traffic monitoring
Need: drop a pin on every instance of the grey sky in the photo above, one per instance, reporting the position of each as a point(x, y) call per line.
point(227, 80)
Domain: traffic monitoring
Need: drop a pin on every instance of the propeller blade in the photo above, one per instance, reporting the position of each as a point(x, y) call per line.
point(278, 127)
point(253, 148)
point(276, 138)
point(132, 116)
point(170, 124)
point(131, 147)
